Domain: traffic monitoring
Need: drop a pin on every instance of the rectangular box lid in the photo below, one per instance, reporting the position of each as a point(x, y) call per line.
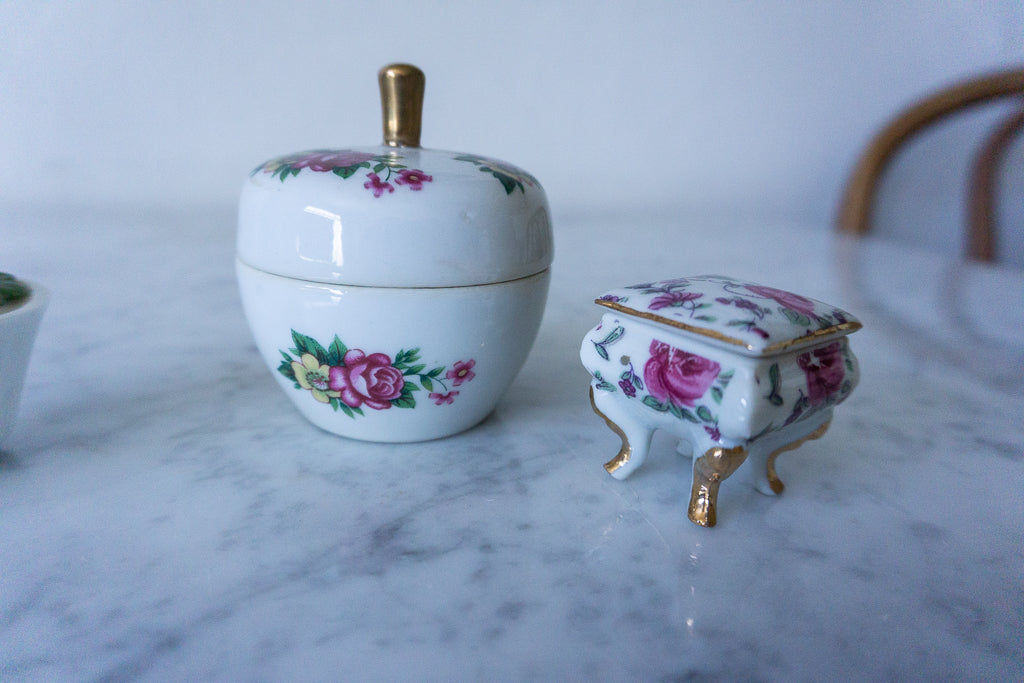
point(752, 319)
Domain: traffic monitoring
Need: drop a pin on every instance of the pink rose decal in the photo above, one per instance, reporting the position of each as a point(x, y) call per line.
point(677, 376)
point(347, 379)
point(369, 380)
point(413, 178)
point(824, 371)
point(443, 399)
point(462, 371)
point(378, 186)
point(323, 162)
point(794, 302)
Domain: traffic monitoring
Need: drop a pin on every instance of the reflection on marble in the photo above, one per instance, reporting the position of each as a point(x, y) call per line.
point(165, 514)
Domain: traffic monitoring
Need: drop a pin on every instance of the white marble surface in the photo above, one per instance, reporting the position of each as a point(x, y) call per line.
point(165, 514)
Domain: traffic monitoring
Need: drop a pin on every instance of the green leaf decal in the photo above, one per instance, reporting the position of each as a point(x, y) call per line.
point(716, 395)
point(348, 171)
point(427, 384)
point(773, 376)
point(403, 402)
point(686, 414)
point(602, 383)
point(652, 402)
point(705, 414)
point(304, 344)
point(336, 352)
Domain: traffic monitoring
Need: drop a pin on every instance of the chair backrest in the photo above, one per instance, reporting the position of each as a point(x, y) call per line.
point(855, 209)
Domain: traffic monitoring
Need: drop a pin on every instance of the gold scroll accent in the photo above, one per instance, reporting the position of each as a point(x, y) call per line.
point(773, 478)
point(847, 328)
point(623, 457)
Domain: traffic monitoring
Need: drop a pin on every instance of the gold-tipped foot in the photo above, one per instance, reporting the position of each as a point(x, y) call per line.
point(709, 471)
point(773, 478)
point(626, 451)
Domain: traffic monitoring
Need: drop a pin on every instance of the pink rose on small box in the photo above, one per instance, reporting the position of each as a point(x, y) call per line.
point(793, 302)
point(369, 380)
point(678, 376)
point(824, 371)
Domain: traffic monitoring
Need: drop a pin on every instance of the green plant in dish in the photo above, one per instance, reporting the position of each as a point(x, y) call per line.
point(12, 291)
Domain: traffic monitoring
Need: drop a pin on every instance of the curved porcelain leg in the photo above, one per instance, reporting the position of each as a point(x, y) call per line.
point(765, 450)
point(636, 437)
point(709, 470)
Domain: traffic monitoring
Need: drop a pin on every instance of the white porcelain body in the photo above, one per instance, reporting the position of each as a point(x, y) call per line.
point(761, 395)
point(470, 341)
point(18, 329)
point(736, 370)
point(467, 220)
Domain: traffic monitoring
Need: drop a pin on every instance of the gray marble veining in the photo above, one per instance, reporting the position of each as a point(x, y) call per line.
point(165, 514)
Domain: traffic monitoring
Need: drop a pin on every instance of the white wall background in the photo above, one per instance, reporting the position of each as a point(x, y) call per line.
point(755, 108)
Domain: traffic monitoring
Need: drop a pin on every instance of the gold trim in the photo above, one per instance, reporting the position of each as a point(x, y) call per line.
point(773, 478)
point(626, 451)
point(847, 327)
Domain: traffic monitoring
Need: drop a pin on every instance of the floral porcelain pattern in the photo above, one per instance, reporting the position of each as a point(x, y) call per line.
point(759, 318)
point(687, 385)
point(691, 387)
point(386, 170)
point(385, 173)
point(350, 380)
point(508, 175)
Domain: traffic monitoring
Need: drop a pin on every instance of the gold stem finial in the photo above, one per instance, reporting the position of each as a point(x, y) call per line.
point(401, 98)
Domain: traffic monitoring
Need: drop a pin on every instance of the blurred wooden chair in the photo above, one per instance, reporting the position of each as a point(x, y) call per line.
point(855, 209)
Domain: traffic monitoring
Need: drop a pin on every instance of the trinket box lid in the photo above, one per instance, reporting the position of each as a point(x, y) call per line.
point(751, 319)
point(394, 215)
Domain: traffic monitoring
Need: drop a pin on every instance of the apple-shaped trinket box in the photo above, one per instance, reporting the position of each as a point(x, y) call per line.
point(735, 369)
point(393, 291)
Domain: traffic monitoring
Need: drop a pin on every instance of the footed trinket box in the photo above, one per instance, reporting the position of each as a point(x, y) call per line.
point(738, 371)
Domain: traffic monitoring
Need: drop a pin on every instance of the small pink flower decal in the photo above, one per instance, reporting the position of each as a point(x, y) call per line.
point(369, 380)
point(413, 178)
point(462, 371)
point(442, 399)
point(377, 185)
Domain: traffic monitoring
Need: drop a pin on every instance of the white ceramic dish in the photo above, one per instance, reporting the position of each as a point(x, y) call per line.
point(18, 327)
point(393, 291)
